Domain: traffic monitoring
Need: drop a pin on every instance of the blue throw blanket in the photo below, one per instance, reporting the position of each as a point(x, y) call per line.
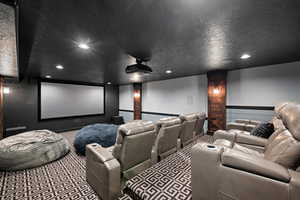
point(103, 134)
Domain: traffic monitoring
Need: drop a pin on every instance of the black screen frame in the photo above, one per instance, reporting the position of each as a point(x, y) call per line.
point(40, 81)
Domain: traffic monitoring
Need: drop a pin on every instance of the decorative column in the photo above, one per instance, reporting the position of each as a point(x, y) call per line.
point(216, 101)
point(137, 101)
point(1, 108)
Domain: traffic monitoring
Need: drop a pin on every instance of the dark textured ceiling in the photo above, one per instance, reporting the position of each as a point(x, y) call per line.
point(187, 36)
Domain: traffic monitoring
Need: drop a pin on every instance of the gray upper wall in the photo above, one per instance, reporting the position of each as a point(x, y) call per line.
point(21, 109)
point(260, 86)
point(264, 86)
point(173, 96)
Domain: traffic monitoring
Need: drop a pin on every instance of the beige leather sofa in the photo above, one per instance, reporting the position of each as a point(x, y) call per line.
point(188, 128)
point(243, 125)
point(167, 138)
point(247, 125)
point(227, 170)
point(107, 168)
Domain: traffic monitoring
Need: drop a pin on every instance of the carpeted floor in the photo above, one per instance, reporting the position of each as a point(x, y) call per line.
point(61, 179)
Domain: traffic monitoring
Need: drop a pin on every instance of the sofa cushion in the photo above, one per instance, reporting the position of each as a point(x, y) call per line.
point(263, 130)
point(284, 149)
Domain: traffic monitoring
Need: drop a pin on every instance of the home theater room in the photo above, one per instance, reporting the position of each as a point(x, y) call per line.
point(149, 100)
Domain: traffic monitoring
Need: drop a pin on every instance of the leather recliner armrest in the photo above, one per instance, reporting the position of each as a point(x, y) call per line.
point(103, 172)
point(98, 153)
point(294, 185)
point(235, 125)
point(206, 159)
point(255, 165)
point(227, 135)
point(247, 121)
point(250, 140)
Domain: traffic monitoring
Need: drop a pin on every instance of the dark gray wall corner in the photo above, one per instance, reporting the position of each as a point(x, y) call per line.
point(21, 109)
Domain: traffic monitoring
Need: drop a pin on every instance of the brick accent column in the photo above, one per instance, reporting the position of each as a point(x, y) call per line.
point(1, 108)
point(137, 101)
point(216, 101)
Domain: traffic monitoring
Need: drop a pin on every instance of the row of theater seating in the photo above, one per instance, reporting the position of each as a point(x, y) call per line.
point(139, 145)
point(244, 167)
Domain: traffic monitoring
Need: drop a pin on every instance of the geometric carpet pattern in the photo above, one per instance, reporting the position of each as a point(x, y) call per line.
point(65, 179)
point(61, 179)
point(168, 179)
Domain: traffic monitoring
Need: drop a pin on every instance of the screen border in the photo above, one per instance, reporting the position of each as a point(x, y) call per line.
point(72, 83)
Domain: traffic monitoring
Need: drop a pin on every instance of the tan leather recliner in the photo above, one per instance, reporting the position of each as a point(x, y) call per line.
point(243, 125)
point(107, 168)
point(247, 125)
point(226, 170)
point(167, 137)
point(188, 127)
point(199, 127)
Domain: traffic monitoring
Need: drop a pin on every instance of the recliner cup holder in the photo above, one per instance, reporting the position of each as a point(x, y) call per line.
point(211, 147)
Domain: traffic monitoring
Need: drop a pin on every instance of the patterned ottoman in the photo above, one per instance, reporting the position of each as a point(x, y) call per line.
point(168, 179)
point(31, 149)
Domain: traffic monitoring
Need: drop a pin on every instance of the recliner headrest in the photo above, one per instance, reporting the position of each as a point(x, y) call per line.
point(279, 107)
point(201, 115)
point(136, 127)
point(290, 116)
point(188, 117)
point(168, 121)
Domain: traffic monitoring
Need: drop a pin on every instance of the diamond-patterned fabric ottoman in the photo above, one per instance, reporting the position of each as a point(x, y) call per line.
point(168, 179)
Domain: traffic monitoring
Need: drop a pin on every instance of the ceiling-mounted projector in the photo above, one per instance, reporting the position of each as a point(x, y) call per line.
point(138, 67)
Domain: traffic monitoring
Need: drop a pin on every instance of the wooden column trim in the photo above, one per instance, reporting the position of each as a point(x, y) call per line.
point(1, 108)
point(137, 101)
point(216, 93)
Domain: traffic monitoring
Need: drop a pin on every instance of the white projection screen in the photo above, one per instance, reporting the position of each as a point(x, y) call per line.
point(60, 100)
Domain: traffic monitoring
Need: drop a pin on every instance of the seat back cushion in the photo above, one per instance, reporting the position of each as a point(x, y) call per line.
point(134, 143)
point(168, 138)
point(136, 149)
point(187, 130)
point(200, 123)
point(284, 149)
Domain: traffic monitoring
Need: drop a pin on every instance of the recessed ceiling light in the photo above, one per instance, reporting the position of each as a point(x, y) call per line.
point(168, 71)
point(48, 76)
point(108, 83)
point(59, 67)
point(83, 46)
point(245, 56)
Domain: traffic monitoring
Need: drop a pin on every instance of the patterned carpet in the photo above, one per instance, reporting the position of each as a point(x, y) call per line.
point(62, 179)
point(65, 179)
